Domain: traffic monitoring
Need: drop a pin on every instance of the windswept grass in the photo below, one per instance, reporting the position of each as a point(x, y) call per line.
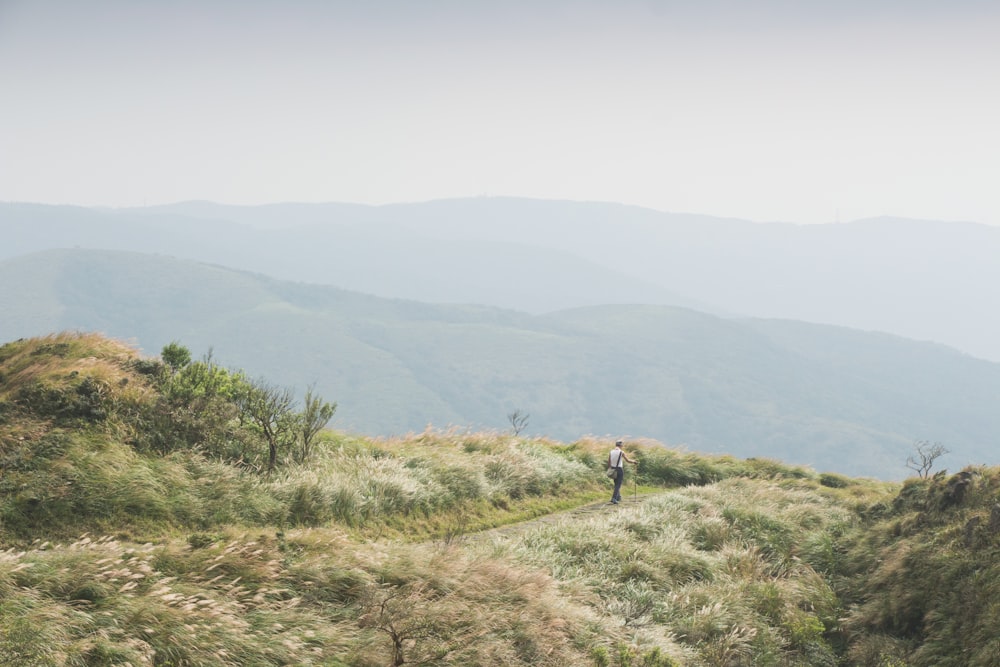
point(357, 557)
point(76, 411)
point(56, 356)
point(727, 571)
point(304, 598)
point(921, 582)
point(146, 605)
point(427, 486)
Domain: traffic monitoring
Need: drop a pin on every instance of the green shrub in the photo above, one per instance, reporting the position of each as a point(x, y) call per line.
point(83, 399)
point(710, 534)
point(308, 505)
point(201, 540)
point(667, 468)
point(834, 481)
point(770, 534)
point(600, 656)
point(461, 483)
point(770, 468)
point(803, 628)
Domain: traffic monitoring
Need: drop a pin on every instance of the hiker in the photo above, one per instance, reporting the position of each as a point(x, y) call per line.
point(615, 458)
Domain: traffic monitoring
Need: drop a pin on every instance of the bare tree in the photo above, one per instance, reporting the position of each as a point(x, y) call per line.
point(423, 625)
point(923, 460)
point(518, 420)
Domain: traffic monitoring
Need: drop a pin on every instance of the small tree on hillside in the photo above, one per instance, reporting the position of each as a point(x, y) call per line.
point(175, 355)
point(190, 380)
point(201, 399)
point(269, 408)
point(195, 406)
point(927, 453)
point(315, 415)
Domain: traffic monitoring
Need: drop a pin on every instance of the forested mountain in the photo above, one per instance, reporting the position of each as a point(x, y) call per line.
point(833, 398)
point(924, 280)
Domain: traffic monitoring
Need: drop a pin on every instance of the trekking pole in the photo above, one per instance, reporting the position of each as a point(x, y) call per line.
point(635, 478)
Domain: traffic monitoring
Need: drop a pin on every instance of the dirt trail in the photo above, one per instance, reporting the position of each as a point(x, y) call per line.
point(581, 511)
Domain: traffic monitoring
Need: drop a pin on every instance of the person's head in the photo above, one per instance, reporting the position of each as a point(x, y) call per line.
point(618, 443)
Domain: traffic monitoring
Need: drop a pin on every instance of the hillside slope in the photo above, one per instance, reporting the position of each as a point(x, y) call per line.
point(836, 399)
point(920, 279)
point(350, 247)
point(113, 551)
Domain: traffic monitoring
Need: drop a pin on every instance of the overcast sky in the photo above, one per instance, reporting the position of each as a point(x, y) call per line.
point(794, 110)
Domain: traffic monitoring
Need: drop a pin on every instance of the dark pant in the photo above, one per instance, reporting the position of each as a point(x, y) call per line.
point(619, 478)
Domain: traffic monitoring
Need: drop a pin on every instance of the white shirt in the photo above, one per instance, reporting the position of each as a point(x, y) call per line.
point(620, 456)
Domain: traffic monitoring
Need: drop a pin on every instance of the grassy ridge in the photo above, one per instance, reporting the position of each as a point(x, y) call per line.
point(807, 394)
point(112, 553)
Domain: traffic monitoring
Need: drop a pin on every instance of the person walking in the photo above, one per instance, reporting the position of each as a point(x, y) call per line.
point(616, 459)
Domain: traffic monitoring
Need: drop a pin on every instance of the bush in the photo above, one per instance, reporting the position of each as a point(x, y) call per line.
point(770, 535)
point(834, 481)
point(308, 505)
point(461, 483)
point(667, 468)
point(81, 400)
point(770, 468)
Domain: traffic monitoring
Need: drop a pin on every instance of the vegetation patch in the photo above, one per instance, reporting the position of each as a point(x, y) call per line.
point(142, 522)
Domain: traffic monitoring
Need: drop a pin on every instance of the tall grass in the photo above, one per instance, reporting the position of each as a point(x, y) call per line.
point(308, 598)
point(746, 594)
point(355, 482)
point(113, 603)
point(922, 580)
point(73, 405)
point(350, 559)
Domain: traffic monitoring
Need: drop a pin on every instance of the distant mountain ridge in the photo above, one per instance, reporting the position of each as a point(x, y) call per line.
point(924, 280)
point(837, 399)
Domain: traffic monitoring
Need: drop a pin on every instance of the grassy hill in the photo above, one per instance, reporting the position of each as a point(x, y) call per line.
point(835, 399)
point(126, 539)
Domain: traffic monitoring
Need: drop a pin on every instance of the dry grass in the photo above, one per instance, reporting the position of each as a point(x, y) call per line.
point(58, 358)
point(308, 597)
point(745, 591)
point(357, 558)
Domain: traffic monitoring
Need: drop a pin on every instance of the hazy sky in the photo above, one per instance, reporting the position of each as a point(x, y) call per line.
point(795, 110)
